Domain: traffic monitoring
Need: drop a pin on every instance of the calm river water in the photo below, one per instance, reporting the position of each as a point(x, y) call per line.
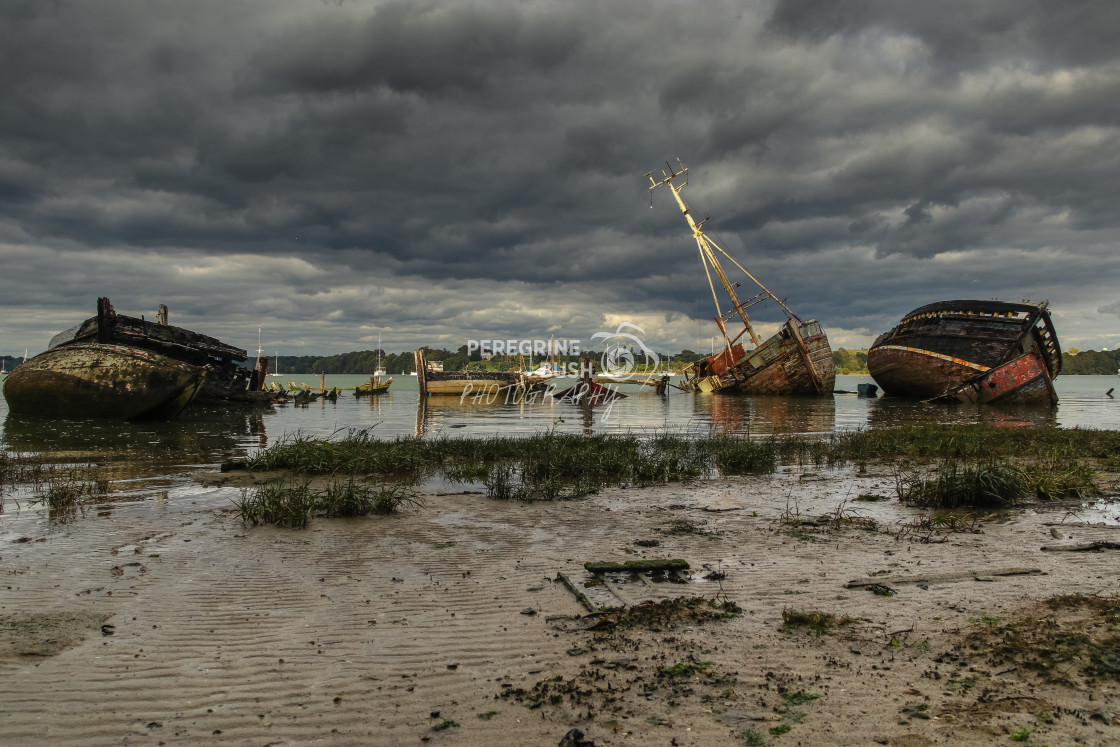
point(158, 453)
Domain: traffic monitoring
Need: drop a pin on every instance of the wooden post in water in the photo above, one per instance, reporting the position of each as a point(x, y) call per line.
point(421, 371)
point(322, 381)
point(256, 384)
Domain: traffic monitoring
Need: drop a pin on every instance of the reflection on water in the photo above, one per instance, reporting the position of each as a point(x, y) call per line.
point(890, 411)
point(533, 414)
point(136, 450)
point(765, 414)
point(155, 461)
point(208, 436)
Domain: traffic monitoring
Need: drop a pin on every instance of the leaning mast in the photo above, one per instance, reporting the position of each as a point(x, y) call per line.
point(708, 249)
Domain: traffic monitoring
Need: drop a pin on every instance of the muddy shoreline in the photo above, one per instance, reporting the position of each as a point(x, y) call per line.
point(446, 623)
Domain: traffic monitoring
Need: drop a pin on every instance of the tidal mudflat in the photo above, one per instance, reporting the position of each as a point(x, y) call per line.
point(816, 609)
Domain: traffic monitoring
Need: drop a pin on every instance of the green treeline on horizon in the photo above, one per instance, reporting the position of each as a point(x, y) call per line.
point(363, 362)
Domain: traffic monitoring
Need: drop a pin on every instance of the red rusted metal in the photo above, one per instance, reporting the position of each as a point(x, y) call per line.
point(1024, 379)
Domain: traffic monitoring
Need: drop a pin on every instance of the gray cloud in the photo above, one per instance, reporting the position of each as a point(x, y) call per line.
point(440, 171)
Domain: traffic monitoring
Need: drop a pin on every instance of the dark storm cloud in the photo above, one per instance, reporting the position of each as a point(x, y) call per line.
point(435, 171)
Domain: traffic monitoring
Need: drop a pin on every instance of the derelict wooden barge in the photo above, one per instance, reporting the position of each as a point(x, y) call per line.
point(102, 380)
point(226, 379)
point(971, 351)
point(117, 366)
point(492, 385)
point(795, 360)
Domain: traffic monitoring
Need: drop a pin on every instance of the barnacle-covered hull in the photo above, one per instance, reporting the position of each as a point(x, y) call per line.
point(227, 379)
point(95, 380)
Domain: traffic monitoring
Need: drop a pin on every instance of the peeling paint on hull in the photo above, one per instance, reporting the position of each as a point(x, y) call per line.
point(973, 351)
point(92, 380)
point(777, 366)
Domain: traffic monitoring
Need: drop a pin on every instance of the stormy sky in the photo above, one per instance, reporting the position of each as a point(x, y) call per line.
point(436, 172)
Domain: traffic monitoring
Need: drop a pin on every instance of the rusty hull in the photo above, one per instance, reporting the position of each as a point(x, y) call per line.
point(797, 360)
point(93, 380)
point(973, 351)
point(1024, 380)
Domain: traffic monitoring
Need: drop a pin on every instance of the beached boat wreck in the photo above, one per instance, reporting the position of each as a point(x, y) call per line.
point(971, 351)
point(102, 380)
point(117, 366)
point(795, 360)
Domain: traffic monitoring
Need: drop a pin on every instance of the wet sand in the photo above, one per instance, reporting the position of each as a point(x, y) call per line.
point(381, 630)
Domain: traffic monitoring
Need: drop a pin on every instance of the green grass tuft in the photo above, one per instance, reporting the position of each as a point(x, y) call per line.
point(292, 504)
point(818, 622)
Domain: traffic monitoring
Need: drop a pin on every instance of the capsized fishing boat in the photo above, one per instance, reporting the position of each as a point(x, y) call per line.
point(102, 380)
point(795, 360)
point(226, 379)
point(971, 351)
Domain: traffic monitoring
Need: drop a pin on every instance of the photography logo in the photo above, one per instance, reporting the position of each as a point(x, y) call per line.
point(620, 359)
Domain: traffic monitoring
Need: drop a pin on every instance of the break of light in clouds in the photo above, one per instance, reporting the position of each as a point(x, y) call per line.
point(435, 172)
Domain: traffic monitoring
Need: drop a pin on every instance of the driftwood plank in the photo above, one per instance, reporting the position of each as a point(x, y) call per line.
point(941, 578)
point(579, 595)
point(638, 566)
point(1091, 547)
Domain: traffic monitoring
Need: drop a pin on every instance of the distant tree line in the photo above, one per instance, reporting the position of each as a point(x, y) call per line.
point(849, 361)
point(1104, 362)
point(11, 361)
point(363, 362)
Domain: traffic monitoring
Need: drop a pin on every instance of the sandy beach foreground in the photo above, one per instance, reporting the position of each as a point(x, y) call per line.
point(169, 622)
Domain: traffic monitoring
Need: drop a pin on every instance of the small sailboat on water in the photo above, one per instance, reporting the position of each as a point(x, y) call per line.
point(378, 383)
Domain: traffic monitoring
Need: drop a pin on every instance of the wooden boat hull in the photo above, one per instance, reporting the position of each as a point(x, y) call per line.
point(226, 379)
point(489, 385)
point(92, 380)
point(903, 371)
point(971, 351)
point(486, 387)
point(1024, 380)
point(797, 360)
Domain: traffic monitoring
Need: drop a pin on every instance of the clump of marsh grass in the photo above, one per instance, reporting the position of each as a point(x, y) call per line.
point(1058, 480)
point(284, 504)
point(66, 491)
point(553, 465)
point(735, 455)
point(293, 503)
point(388, 500)
point(818, 622)
point(995, 483)
point(987, 484)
